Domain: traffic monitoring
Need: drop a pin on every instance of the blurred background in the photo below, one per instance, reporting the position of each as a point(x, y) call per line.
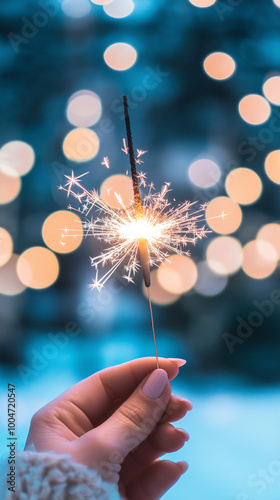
point(202, 79)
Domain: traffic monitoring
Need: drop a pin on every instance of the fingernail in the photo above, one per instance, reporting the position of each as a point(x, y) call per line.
point(155, 384)
point(179, 361)
point(183, 466)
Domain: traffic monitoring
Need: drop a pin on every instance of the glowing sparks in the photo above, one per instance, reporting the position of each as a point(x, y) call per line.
point(142, 179)
point(166, 229)
point(139, 154)
point(106, 162)
point(150, 228)
point(71, 182)
point(125, 148)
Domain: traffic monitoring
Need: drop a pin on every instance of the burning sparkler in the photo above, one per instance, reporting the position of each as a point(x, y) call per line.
point(150, 227)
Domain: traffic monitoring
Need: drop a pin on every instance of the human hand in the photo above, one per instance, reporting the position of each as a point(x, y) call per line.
point(116, 423)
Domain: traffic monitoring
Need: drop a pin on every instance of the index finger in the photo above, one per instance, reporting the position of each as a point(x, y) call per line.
point(96, 394)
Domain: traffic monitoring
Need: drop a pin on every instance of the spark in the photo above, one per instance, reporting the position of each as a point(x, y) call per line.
point(125, 148)
point(140, 152)
point(142, 179)
point(95, 284)
point(72, 181)
point(106, 162)
point(128, 278)
point(167, 229)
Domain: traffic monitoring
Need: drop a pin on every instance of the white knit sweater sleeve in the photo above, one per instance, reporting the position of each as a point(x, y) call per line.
point(48, 476)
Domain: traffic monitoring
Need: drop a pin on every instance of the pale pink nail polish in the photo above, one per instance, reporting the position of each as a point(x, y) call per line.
point(154, 386)
point(179, 361)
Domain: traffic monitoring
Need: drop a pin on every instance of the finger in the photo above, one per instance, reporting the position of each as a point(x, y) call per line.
point(96, 394)
point(156, 479)
point(131, 423)
point(176, 409)
point(165, 439)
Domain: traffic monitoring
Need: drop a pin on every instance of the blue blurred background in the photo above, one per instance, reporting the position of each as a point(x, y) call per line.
point(53, 336)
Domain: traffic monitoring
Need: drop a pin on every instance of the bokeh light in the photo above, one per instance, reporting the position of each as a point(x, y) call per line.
point(209, 283)
point(219, 65)
point(243, 185)
point(84, 108)
point(9, 187)
point(271, 234)
point(16, 158)
point(6, 246)
point(158, 294)
point(259, 259)
point(120, 56)
point(119, 8)
point(277, 2)
point(204, 173)
point(223, 215)
point(202, 3)
point(272, 166)
point(177, 274)
point(37, 267)
point(119, 184)
point(271, 89)
point(224, 255)
point(102, 2)
point(76, 8)
point(254, 109)
point(63, 231)
point(9, 281)
point(81, 144)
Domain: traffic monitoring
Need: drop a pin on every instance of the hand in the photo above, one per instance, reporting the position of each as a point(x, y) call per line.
point(117, 423)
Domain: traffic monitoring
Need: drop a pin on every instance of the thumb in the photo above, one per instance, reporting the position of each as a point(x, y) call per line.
point(137, 417)
point(107, 445)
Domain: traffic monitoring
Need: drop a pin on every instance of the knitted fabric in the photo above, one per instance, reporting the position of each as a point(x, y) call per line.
point(48, 476)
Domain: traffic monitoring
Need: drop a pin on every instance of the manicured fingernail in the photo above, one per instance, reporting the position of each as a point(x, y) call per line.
point(179, 361)
point(155, 384)
point(183, 466)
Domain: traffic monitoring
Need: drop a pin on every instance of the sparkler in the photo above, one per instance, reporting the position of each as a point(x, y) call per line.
point(151, 227)
point(142, 242)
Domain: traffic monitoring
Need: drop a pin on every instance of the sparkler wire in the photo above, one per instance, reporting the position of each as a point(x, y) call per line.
point(153, 326)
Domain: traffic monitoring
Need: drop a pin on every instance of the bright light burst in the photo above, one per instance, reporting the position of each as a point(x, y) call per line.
point(166, 229)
